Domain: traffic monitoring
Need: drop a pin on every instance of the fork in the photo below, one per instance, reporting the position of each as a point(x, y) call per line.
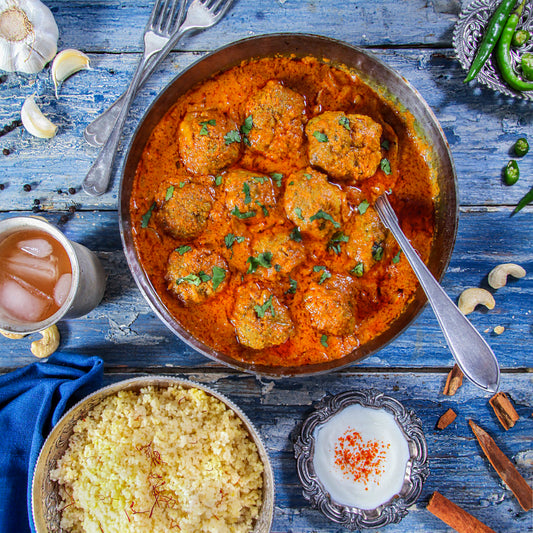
point(161, 24)
point(473, 355)
point(202, 14)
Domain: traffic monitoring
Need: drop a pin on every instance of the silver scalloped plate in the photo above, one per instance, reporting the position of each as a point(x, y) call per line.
point(45, 494)
point(416, 472)
point(468, 33)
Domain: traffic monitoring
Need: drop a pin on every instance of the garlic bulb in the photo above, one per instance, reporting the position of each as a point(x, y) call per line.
point(35, 122)
point(28, 35)
point(66, 63)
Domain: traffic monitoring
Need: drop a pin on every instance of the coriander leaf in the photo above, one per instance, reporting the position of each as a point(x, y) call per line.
point(265, 210)
point(218, 180)
point(145, 219)
point(325, 273)
point(229, 239)
point(324, 341)
point(246, 191)
point(267, 306)
point(326, 216)
point(362, 207)
point(248, 125)
point(396, 258)
point(277, 177)
point(320, 137)
point(293, 286)
point(203, 276)
point(298, 212)
point(182, 184)
point(193, 279)
point(385, 144)
point(169, 193)
point(232, 136)
point(218, 276)
point(260, 179)
point(335, 242)
point(236, 212)
point(358, 270)
point(183, 249)
point(318, 268)
point(385, 166)
point(345, 121)
point(377, 252)
point(204, 124)
point(264, 259)
point(307, 176)
point(295, 235)
point(246, 141)
point(203, 130)
point(277, 267)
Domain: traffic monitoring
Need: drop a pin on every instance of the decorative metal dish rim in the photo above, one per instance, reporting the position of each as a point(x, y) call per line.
point(416, 472)
point(44, 497)
point(467, 34)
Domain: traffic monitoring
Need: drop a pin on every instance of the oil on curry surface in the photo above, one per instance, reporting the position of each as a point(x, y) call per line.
point(253, 214)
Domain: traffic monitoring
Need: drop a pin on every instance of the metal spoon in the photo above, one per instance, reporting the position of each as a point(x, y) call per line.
point(473, 355)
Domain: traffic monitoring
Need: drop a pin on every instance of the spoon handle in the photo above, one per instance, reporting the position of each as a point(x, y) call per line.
point(473, 355)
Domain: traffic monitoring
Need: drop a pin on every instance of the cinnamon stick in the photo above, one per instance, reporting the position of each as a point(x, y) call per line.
point(454, 516)
point(453, 381)
point(504, 467)
point(504, 410)
point(446, 419)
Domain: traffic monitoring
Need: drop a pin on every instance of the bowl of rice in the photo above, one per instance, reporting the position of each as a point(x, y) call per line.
point(154, 454)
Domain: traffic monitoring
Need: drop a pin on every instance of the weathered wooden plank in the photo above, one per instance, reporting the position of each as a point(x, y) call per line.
point(113, 26)
point(458, 468)
point(480, 126)
point(126, 332)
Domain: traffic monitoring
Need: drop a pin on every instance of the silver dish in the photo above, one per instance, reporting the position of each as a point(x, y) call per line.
point(416, 472)
point(46, 501)
point(468, 33)
point(392, 87)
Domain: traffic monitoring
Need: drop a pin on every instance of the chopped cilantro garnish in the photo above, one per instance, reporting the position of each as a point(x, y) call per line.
point(182, 184)
point(203, 276)
point(325, 273)
point(218, 276)
point(264, 259)
point(194, 279)
point(218, 180)
point(396, 258)
point(277, 177)
point(358, 270)
point(248, 125)
point(298, 212)
point(324, 341)
point(377, 252)
point(267, 306)
point(260, 179)
point(335, 242)
point(277, 267)
point(265, 210)
point(362, 207)
point(236, 212)
point(295, 235)
point(169, 193)
point(385, 166)
point(145, 219)
point(204, 124)
point(320, 137)
point(183, 249)
point(229, 239)
point(293, 286)
point(232, 136)
point(307, 176)
point(385, 144)
point(345, 121)
point(325, 216)
point(246, 191)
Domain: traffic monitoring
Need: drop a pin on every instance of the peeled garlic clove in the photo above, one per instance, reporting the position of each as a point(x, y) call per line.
point(66, 63)
point(35, 122)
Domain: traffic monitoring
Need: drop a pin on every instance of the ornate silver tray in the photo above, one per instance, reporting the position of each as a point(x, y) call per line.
point(416, 472)
point(468, 33)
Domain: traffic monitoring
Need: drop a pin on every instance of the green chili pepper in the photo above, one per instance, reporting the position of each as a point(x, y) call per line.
point(490, 38)
point(503, 53)
point(527, 199)
point(520, 38)
point(526, 62)
point(521, 147)
point(511, 172)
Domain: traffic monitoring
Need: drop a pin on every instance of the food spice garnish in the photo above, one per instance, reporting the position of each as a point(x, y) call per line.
point(446, 419)
point(504, 410)
point(453, 381)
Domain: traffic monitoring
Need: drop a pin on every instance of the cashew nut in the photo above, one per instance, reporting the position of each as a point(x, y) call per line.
point(498, 275)
point(48, 344)
point(471, 298)
point(12, 335)
point(499, 330)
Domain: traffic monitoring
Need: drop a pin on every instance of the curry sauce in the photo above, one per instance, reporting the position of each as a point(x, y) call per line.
point(252, 211)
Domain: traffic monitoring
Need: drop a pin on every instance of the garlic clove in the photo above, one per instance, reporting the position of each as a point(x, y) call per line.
point(66, 63)
point(35, 122)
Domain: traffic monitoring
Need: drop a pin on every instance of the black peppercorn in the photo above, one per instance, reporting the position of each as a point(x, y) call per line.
point(72, 190)
point(63, 219)
point(36, 201)
point(6, 151)
point(2, 186)
point(59, 191)
point(27, 187)
point(72, 209)
point(35, 208)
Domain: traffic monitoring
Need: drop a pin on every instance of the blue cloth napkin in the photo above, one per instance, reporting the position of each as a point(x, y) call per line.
point(32, 400)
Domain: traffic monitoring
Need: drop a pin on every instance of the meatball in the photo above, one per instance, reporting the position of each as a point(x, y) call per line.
point(313, 203)
point(329, 306)
point(345, 146)
point(208, 142)
point(366, 236)
point(260, 320)
point(278, 114)
point(249, 195)
point(183, 209)
point(287, 254)
point(194, 275)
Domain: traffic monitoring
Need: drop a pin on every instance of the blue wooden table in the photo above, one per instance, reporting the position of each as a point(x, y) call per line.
point(414, 37)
